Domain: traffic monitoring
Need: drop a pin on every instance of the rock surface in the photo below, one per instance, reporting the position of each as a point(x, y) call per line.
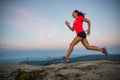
point(87, 70)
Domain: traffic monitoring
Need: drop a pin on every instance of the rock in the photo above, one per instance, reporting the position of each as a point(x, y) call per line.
point(90, 76)
point(29, 68)
point(56, 66)
point(109, 71)
point(87, 70)
point(87, 66)
point(70, 72)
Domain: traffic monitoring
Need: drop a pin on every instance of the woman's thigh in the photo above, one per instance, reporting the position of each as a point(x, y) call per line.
point(76, 40)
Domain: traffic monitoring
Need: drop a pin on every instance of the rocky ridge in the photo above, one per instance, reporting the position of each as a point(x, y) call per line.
point(86, 70)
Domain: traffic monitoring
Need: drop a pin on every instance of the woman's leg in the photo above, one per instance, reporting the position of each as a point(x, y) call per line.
point(89, 47)
point(72, 44)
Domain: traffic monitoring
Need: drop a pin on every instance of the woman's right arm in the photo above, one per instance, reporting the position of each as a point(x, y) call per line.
point(68, 25)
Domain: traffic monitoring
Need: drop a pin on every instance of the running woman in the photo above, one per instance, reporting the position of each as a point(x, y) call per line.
point(81, 35)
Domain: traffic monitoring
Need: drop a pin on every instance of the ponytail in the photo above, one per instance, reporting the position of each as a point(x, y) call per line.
point(80, 13)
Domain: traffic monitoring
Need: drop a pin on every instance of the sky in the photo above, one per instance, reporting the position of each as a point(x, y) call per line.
point(39, 24)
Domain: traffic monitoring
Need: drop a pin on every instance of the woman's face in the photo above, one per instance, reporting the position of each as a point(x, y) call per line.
point(74, 15)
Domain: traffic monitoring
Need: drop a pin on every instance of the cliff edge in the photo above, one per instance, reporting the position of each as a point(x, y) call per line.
point(86, 70)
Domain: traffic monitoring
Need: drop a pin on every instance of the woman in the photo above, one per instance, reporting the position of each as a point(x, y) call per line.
point(81, 35)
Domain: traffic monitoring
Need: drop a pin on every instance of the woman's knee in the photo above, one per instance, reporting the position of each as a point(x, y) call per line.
point(87, 47)
point(72, 44)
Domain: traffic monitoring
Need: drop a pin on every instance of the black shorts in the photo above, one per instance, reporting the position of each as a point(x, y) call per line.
point(82, 34)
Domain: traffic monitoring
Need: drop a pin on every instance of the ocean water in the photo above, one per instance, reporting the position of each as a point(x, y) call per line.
point(15, 56)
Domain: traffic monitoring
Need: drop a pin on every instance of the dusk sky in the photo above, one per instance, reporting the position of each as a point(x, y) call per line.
point(39, 24)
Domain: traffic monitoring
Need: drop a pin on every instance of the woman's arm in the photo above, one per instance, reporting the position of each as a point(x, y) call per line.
point(68, 25)
point(89, 25)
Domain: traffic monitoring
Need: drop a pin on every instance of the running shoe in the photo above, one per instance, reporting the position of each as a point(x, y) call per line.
point(64, 59)
point(105, 51)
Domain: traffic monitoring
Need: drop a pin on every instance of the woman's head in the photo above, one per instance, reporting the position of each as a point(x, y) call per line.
point(77, 13)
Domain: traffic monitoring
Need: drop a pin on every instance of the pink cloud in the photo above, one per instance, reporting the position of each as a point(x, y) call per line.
point(36, 27)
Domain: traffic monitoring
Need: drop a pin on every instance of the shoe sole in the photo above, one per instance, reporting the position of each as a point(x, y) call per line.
point(65, 61)
point(106, 53)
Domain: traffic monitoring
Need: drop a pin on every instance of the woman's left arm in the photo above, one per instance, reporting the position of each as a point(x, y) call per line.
point(89, 25)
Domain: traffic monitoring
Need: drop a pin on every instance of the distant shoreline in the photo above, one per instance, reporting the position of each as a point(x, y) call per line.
point(112, 57)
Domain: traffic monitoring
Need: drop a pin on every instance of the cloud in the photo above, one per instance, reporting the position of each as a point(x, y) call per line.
point(35, 29)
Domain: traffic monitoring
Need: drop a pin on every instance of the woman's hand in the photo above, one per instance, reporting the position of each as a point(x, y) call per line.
point(88, 32)
point(67, 23)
